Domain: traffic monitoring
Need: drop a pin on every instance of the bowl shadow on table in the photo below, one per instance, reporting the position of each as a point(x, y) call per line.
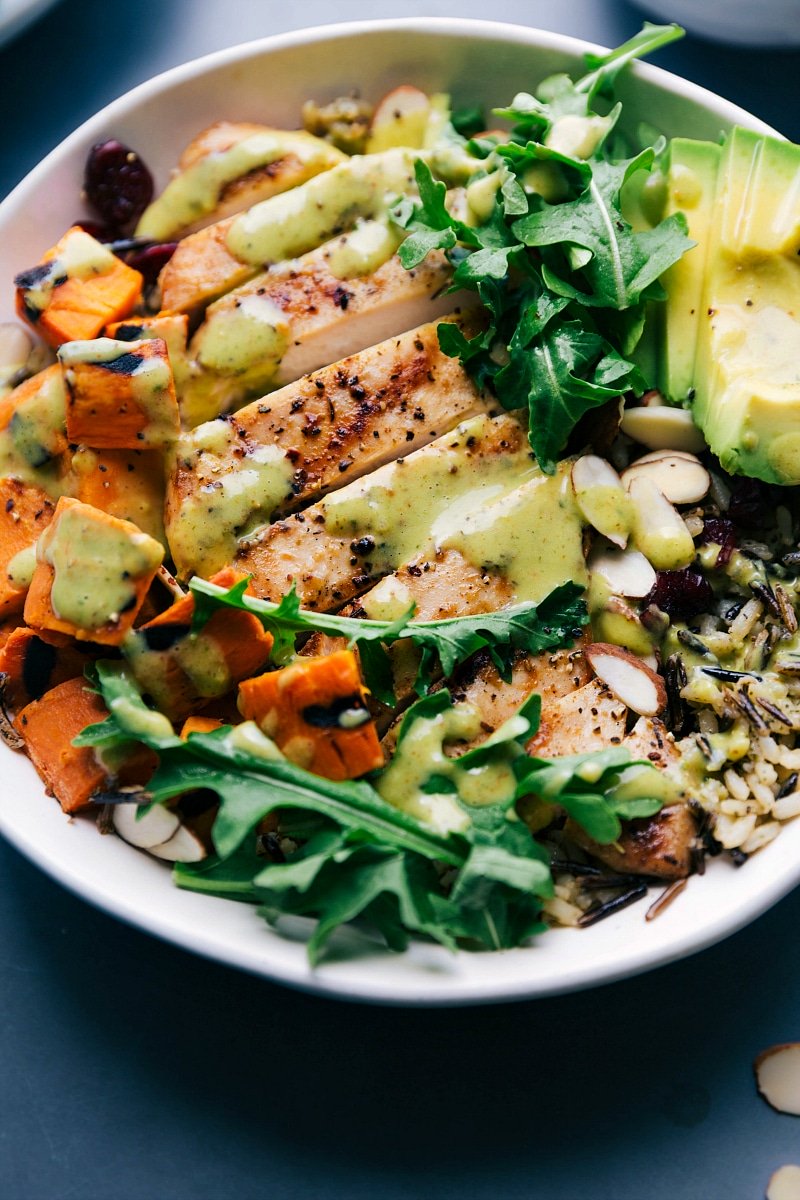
point(647, 1058)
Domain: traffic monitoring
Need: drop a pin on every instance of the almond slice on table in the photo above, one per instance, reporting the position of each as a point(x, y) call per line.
point(784, 1184)
point(681, 478)
point(601, 498)
point(153, 828)
point(627, 572)
point(660, 427)
point(632, 681)
point(777, 1073)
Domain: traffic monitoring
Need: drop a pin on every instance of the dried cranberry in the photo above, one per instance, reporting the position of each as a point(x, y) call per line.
point(150, 260)
point(118, 185)
point(95, 229)
point(680, 594)
point(748, 503)
point(722, 532)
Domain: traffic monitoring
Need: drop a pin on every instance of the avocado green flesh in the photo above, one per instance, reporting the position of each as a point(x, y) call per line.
point(746, 372)
point(691, 181)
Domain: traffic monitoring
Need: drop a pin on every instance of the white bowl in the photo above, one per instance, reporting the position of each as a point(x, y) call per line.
point(268, 80)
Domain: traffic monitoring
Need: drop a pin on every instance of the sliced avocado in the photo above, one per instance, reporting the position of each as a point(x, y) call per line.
point(691, 181)
point(747, 368)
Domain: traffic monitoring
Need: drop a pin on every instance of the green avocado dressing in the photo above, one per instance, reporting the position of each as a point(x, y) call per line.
point(297, 221)
point(195, 192)
point(36, 435)
point(238, 493)
point(420, 757)
point(419, 502)
point(532, 537)
point(21, 567)
point(96, 566)
point(236, 336)
point(80, 257)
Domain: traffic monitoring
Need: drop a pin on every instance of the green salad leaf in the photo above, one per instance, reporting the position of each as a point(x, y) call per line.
point(445, 644)
point(563, 277)
point(357, 857)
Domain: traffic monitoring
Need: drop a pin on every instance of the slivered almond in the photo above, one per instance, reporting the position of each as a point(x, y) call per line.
point(627, 572)
point(784, 1184)
point(601, 498)
point(681, 479)
point(777, 1073)
point(662, 428)
point(184, 846)
point(631, 680)
point(659, 530)
point(153, 828)
point(657, 455)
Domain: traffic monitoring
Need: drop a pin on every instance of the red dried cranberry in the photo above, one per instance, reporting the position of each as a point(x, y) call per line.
point(748, 502)
point(118, 185)
point(680, 594)
point(721, 531)
point(95, 229)
point(150, 260)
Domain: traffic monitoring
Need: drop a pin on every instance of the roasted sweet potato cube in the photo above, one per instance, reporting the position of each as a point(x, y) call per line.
point(32, 666)
point(34, 414)
point(128, 484)
point(72, 773)
point(25, 512)
point(92, 574)
point(200, 725)
point(181, 670)
point(120, 395)
point(316, 712)
point(77, 288)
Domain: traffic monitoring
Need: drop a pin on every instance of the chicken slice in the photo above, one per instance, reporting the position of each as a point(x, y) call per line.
point(211, 262)
point(300, 316)
point(579, 722)
point(232, 475)
point(229, 167)
point(340, 546)
point(662, 845)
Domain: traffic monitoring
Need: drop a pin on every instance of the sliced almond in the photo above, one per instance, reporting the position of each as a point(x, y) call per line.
point(657, 455)
point(778, 1077)
point(150, 830)
point(660, 427)
point(399, 119)
point(601, 498)
point(682, 480)
point(627, 572)
point(620, 625)
point(184, 846)
point(637, 685)
point(659, 531)
point(784, 1184)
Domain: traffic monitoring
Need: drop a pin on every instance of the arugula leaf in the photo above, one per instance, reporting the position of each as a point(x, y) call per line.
point(363, 858)
point(585, 785)
point(622, 265)
point(566, 370)
point(532, 261)
point(445, 644)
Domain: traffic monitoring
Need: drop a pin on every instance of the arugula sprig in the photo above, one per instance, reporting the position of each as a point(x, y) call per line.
point(564, 282)
point(362, 858)
point(445, 643)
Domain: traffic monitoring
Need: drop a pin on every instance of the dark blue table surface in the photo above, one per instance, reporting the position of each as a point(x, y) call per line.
point(130, 1070)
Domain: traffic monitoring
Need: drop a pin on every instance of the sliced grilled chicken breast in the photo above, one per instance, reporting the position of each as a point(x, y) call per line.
point(300, 316)
point(231, 475)
point(337, 548)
